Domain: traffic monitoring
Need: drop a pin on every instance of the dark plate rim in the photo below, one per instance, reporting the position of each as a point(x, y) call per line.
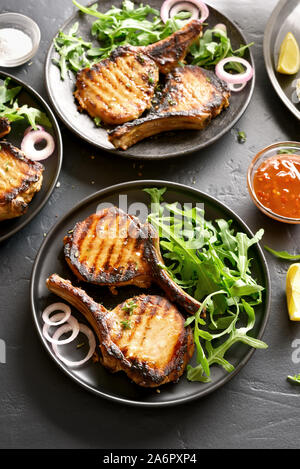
point(174, 186)
point(59, 143)
point(127, 153)
point(268, 51)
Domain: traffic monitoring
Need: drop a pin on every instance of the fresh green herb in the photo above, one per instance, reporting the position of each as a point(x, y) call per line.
point(137, 26)
point(72, 51)
point(283, 254)
point(80, 345)
point(129, 307)
point(10, 108)
point(6, 167)
point(214, 46)
point(97, 121)
point(241, 136)
point(150, 80)
point(294, 379)
point(211, 262)
point(126, 324)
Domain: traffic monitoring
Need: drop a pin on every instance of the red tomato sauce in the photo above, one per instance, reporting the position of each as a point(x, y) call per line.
point(276, 184)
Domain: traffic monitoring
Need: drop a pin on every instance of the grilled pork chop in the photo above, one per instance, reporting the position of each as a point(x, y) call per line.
point(144, 336)
point(118, 89)
point(169, 52)
point(191, 98)
point(121, 88)
point(112, 248)
point(20, 179)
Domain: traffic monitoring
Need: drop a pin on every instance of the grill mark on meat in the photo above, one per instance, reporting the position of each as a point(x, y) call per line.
point(20, 179)
point(148, 321)
point(88, 241)
point(113, 84)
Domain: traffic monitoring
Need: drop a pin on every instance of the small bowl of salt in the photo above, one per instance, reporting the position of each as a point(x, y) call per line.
point(19, 39)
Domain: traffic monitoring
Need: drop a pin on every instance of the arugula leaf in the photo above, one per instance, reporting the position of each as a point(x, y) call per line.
point(10, 108)
point(136, 25)
point(294, 379)
point(212, 264)
point(215, 46)
point(283, 254)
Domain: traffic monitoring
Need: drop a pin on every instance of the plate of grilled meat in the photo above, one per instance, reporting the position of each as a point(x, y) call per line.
point(30, 154)
point(110, 273)
point(145, 101)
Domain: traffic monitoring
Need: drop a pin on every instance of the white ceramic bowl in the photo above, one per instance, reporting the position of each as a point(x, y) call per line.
point(27, 26)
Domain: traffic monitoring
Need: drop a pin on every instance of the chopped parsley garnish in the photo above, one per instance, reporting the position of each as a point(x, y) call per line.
point(126, 324)
point(97, 121)
point(136, 25)
point(129, 307)
point(242, 137)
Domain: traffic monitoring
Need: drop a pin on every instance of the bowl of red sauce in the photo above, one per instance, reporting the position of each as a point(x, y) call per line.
point(274, 181)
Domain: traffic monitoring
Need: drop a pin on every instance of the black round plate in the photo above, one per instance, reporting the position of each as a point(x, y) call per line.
point(164, 145)
point(52, 164)
point(93, 376)
point(285, 18)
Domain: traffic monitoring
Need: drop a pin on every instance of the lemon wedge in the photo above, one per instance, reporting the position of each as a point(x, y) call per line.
point(289, 56)
point(293, 292)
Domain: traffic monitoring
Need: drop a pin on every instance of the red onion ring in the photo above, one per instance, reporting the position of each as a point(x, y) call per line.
point(236, 79)
point(72, 325)
point(221, 27)
point(237, 88)
point(56, 307)
point(33, 137)
point(169, 5)
point(185, 6)
point(30, 129)
point(85, 330)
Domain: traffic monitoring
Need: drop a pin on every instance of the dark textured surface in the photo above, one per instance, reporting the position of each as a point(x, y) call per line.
point(39, 405)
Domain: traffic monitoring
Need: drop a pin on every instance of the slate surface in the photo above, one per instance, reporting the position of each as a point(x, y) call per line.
point(42, 408)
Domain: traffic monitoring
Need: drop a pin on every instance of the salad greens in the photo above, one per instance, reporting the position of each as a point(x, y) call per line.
point(211, 263)
point(283, 254)
point(137, 26)
point(10, 109)
point(214, 46)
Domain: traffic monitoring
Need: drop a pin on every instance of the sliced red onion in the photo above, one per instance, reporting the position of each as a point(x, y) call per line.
point(72, 325)
point(36, 136)
point(237, 88)
point(31, 129)
point(221, 27)
point(85, 330)
point(235, 79)
point(56, 307)
point(169, 6)
point(185, 6)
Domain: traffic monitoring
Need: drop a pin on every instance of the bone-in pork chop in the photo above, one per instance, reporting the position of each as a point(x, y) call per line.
point(145, 336)
point(20, 179)
point(121, 87)
point(191, 98)
point(112, 248)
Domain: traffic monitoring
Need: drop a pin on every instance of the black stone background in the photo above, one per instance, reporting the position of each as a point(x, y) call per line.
point(40, 407)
